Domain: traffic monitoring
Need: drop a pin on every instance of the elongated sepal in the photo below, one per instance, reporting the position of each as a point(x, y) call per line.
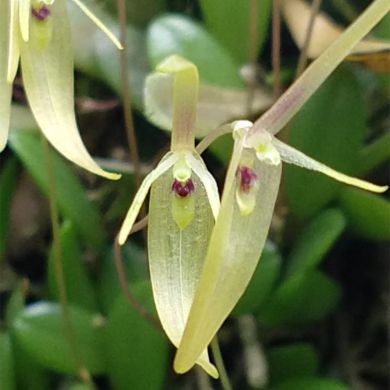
point(5, 86)
point(233, 253)
point(166, 163)
point(176, 255)
point(294, 156)
point(13, 38)
point(48, 81)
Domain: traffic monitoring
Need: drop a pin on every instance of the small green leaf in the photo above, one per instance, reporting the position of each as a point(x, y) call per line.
point(329, 128)
point(376, 153)
point(71, 196)
point(137, 352)
point(262, 282)
point(229, 22)
point(40, 331)
point(315, 241)
point(7, 373)
point(310, 383)
point(78, 286)
point(15, 304)
point(368, 215)
point(7, 186)
point(291, 361)
point(301, 299)
point(177, 34)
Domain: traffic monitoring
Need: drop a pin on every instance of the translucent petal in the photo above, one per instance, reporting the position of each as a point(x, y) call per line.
point(140, 196)
point(48, 82)
point(176, 257)
point(234, 250)
point(99, 24)
point(24, 18)
point(294, 156)
point(197, 165)
point(5, 86)
point(13, 39)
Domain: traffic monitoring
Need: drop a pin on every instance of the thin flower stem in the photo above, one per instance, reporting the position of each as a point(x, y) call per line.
point(302, 61)
point(126, 290)
point(128, 116)
point(59, 271)
point(276, 47)
point(252, 52)
point(225, 382)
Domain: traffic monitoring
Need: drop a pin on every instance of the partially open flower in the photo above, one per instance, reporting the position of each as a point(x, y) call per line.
point(184, 201)
point(249, 195)
point(38, 33)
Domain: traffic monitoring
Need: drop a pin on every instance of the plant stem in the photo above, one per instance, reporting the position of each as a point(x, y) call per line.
point(276, 47)
point(225, 382)
point(59, 271)
point(129, 123)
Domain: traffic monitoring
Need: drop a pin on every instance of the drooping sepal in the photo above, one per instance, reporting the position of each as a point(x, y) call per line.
point(48, 81)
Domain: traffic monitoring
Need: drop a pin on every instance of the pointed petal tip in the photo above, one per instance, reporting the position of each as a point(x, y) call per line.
point(181, 368)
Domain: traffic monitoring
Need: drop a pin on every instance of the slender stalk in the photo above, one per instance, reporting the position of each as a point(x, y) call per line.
point(59, 271)
point(252, 52)
point(302, 61)
point(129, 123)
point(225, 382)
point(276, 47)
point(126, 290)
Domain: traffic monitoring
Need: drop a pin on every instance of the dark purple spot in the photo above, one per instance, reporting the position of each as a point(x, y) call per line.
point(40, 13)
point(246, 176)
point(183, 189)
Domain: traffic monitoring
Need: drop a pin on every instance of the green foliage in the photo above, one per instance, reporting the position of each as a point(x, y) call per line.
point(7, 373)
point(310, 383)
point(175, 34)
point(330, 128)
point(39, 329)
point(79, 288)
point(137, 352)
point(70, 194)
point(229, 21)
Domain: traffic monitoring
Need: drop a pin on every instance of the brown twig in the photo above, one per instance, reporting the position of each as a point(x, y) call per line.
point(277, 89)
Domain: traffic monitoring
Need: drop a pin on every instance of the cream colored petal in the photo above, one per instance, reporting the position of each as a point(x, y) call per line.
point(234, 250)
point(48, 82)
point(176, 257)
point(24, 18)
point(294, 156)
point(216, 105)
point(140, 196)
point(13, 39)
point(99, 24)
point(5, 86)
point(209, 183)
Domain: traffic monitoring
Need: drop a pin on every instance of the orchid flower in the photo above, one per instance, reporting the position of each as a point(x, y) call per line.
point(38, 33)
point(250, 192)
point(183, 204)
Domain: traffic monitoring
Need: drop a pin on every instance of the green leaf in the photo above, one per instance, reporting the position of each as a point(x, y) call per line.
point(262, 282)
point(15, 303)
point(329, 128)
point(70, 194)
point(7, 186)
point(40, 331)
point(7, 373)
point(137, 352)
point(310, 383)
point(291, 361)
point(96, 55)
point(79, 288)
point(135, 268)
point(177, 34)
point(315, 241)
point(229, 22)
point(368, 215)
point(376, 153)
point(301, 299)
